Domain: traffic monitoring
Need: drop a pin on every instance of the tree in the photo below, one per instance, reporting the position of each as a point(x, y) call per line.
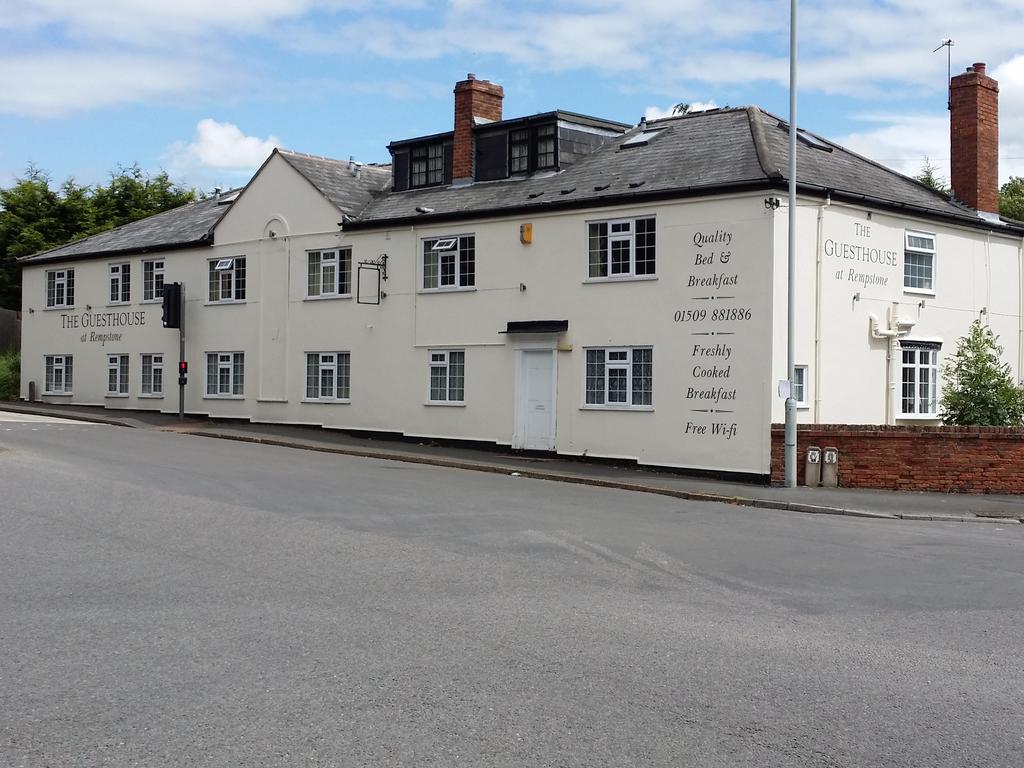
point(978, 387)
point(929, 176)
point(34, 216)
point(1011, 198)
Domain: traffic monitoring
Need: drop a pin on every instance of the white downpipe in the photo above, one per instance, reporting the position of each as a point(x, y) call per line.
point(416, 275)
point(988, 275)
point(1020, 311)
point(893, 334)
point(817, 309)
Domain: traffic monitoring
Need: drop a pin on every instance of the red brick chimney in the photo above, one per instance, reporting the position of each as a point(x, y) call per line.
point(473, 98)
point(974, 139)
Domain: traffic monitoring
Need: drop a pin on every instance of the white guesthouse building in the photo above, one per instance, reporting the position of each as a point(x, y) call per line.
point(555, 282)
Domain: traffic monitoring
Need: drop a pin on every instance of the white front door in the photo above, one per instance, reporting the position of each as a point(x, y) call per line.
point(535, 417)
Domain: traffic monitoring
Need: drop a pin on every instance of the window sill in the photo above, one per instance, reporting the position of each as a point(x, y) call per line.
point(226, 301)
point(329, 297)
point(326, 401)
point(152, 301)
point(58, 308)
point(58, 394)
point(115, 395)
point(223, 397)
point(621, 279)
point(443, 404)
point(119, 304)
point(449, 289)
point(918, 417)
point(159, 396)
point(919, 291)
point(803, 406)
point(641, 408)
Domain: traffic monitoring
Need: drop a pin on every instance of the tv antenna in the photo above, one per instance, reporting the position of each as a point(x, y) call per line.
point(948, 45)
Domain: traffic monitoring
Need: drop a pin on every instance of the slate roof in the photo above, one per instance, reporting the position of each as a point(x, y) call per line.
point(192, 224)
point(188, 225)
point(702, 153)
point(699, 153)
point(349, 193)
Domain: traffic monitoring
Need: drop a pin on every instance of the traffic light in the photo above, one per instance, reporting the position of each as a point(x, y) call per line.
point(172, 305)
point(183, 373)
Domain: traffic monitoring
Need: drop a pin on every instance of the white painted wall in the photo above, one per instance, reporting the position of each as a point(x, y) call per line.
point(390, 343)
point(974, 269)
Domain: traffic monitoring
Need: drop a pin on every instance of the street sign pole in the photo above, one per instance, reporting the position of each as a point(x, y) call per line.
point(181, 356)
point(790, 433)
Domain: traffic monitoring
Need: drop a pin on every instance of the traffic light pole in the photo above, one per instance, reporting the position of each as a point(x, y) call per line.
point(181, 357)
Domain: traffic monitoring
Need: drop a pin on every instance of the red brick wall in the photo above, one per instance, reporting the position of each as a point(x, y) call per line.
point(473, 98)
point(974, 139)
point(947, 459)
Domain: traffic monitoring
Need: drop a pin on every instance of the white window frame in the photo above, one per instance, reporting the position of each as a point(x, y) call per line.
point(153, 283)
point(624, 360)
point(459, 249)
point(915, 367)
point(336, 260)
point(155, 386)
point(339, 366)
point(440, 360)
point(800, 386)
point(64, 285)
point(231, 277)
point(117, 375)
point(918, 250)
point(234, 364)
point(120, 291)
point(627, 234)
point(52, 364)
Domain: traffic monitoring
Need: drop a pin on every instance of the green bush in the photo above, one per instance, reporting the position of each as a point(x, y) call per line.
point(10, 375)
point(979, 387)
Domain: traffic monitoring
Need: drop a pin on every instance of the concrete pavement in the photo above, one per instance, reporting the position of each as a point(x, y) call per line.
point(856, 502)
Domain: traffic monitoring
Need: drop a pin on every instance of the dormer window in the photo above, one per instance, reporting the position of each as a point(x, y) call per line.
point(519, 151)
point(532, 149)
point(427, 165)
point(546, 146)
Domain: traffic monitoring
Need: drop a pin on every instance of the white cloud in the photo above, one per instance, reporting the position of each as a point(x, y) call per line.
point(160, 22)
point(60, 83)
point(902, 141)
point(219, 152)
point(867, 49)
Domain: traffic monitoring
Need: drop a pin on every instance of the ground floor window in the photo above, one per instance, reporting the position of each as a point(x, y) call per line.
point(225, 372)
point(327, 376)
point(58, 375)
point(920, 377)
point(620, 377)
point(152, 374)
point(117, 374)
point(447, 376)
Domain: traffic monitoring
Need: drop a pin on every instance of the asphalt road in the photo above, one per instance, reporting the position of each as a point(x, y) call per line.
point(167, 600)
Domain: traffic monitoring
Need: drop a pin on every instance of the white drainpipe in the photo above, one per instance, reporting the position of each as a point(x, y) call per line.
point(897, 327)
point(1020, 312)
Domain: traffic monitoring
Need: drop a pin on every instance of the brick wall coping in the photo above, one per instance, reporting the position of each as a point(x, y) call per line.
point(906, 430)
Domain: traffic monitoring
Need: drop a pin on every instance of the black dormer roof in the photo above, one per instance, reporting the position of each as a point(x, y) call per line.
point(575, 135)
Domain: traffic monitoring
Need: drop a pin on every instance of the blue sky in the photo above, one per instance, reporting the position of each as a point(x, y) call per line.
point(205, 89)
